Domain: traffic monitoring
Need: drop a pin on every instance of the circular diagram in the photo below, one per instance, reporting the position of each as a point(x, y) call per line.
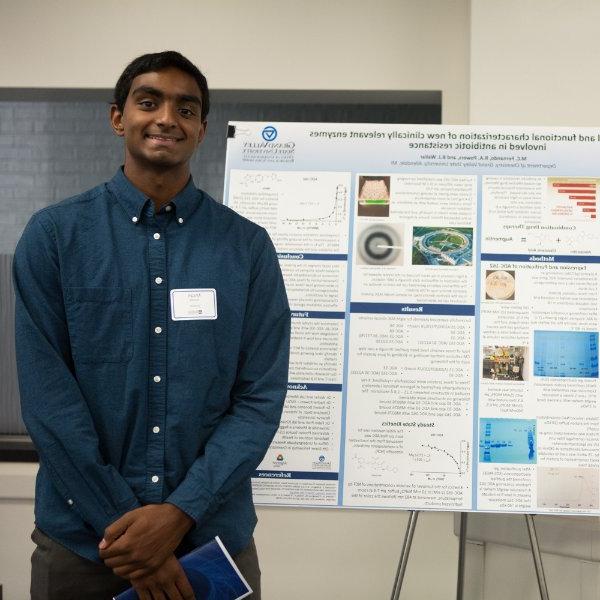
point(444, 241)
point(379, 245)
point(500, 285)
point(442, 246)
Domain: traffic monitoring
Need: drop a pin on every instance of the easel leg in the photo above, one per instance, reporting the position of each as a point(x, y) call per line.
point(410, 531)
point(537, 558)
point(462, 541)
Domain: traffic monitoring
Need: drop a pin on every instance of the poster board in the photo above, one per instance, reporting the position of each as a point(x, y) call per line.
point(443, 282)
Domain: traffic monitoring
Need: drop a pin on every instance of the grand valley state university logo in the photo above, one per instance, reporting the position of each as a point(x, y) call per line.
point(269, 133)
point(268, 147)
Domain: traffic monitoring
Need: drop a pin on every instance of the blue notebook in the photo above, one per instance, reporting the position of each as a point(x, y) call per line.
point(211, 572)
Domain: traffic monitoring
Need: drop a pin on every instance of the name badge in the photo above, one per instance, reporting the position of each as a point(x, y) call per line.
point(191, 305)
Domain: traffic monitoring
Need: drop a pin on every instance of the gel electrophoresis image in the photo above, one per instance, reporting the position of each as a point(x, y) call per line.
point(565, 353)
point(507, 441)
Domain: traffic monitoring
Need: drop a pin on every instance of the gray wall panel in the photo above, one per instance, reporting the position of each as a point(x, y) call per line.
point(10, 415)
point(50, 150)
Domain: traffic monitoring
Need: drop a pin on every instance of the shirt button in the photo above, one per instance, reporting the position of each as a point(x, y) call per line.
point(168, 208)
point(157, 236)
point(157, 379)
point(180, 220)
point(70, 502)
point(158, 280)
point(155, 429)
point(134, 219)
point(158, 330)
point(154, 478)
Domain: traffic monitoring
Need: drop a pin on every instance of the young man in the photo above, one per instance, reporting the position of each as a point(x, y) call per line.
point(152, 332)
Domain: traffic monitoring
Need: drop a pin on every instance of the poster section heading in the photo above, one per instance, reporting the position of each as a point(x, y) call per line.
point(444, 287)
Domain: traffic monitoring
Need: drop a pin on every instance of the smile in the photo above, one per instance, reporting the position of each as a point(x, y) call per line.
point(163, 139)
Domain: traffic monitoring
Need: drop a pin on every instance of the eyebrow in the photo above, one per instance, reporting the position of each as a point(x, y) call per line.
point(147, 89)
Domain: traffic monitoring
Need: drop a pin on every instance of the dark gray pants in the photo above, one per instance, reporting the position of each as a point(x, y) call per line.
point(59, 574)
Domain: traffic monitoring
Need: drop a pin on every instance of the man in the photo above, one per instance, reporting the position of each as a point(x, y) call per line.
point(152, 332)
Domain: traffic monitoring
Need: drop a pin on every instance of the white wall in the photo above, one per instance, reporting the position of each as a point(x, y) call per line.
point(535, 62)
point(330, 554)
point(263, 44)
point(17, 481)
point(509, 573)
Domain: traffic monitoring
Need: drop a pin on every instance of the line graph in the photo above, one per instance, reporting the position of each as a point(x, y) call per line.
point(568, 488)
point(316, 212)
point(436, 460)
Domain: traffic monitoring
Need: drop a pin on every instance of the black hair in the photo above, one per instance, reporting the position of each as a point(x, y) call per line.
point(159, 61)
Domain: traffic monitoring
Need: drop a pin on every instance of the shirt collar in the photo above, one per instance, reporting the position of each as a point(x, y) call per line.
point(133, 200)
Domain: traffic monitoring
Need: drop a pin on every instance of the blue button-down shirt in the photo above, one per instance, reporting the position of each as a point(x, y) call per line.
point(125, 405)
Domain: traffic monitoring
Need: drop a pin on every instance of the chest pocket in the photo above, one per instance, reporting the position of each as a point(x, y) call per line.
point(100, 324)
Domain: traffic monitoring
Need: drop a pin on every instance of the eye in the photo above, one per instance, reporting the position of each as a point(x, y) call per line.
point(187, 112)
point(146, 103)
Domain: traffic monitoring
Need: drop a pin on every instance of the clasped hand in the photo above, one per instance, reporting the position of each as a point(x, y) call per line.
point(140, 545)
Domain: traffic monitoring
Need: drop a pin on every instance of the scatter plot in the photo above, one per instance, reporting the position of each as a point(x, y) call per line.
point(431, 459)
point(319, 209)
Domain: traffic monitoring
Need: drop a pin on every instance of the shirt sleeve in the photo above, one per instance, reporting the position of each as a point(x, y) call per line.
point(242, 438)
point(53, 407)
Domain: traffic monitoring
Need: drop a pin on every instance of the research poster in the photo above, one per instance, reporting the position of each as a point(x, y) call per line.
point(444, 287)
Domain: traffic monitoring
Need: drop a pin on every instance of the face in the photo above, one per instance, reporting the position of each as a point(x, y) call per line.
point(161, 120)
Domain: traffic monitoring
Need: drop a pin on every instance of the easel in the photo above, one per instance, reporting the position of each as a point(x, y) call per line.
point(462, 540)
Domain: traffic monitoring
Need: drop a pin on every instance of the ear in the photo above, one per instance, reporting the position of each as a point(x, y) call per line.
point(116, 120)
point(202, 132)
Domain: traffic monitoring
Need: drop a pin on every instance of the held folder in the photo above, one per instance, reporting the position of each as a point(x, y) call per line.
point(211, 572)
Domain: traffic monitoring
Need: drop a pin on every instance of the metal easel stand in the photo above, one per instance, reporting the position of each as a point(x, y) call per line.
point(535, 551)
point(537, 558)
point(410, 531)
point(462, 545)
point(408, 537)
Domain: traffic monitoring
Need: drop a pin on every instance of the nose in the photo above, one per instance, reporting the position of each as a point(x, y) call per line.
point(166, 116)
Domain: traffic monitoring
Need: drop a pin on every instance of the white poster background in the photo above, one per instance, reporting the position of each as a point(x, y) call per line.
point(444, 289)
